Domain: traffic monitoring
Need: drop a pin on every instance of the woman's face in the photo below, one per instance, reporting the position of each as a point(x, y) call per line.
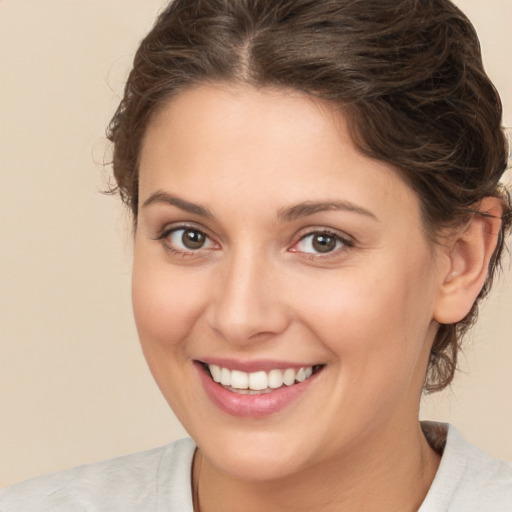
point(269, 248)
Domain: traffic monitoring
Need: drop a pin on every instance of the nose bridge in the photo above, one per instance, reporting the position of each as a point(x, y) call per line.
point(246, 302)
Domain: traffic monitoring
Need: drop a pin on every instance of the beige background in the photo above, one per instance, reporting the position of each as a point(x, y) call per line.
point(73, 385)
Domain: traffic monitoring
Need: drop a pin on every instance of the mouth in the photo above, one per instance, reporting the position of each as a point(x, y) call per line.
point(255, 389)
point(259, 382)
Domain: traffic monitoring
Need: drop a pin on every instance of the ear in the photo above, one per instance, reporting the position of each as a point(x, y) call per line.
point(468, 255)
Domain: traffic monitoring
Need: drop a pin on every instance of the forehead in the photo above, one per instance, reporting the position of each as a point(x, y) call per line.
point(249, 146)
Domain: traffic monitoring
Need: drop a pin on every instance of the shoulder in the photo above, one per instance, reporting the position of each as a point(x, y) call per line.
point(127, 483)
point(469, 480)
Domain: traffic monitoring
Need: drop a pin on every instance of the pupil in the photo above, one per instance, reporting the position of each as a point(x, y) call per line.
point(193, 239)
point(324, 243)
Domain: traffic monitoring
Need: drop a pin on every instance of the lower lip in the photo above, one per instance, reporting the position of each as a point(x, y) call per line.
point(251, 406)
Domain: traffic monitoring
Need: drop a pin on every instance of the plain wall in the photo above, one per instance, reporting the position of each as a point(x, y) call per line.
point(74, 387)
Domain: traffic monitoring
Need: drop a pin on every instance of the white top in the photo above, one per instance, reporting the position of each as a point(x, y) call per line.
point(159, 480)
point(467, 480)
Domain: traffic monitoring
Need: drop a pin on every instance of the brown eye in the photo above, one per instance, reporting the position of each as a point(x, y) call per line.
point(323, 242)
point(187, 240)
point(192, 239)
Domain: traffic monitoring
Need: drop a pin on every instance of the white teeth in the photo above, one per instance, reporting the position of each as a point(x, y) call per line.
point(301, 375)
point(304, 373)
point(289, 377)
point(275, 379)
point(239, 380)
point(256, 382)
point(225, 377)
point(215, 371)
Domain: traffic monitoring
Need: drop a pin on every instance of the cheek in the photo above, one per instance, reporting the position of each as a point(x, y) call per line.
point(378, 317)
point(166, 304)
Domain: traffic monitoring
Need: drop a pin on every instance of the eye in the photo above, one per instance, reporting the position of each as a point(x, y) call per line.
point(187, 240)
point(320, 242)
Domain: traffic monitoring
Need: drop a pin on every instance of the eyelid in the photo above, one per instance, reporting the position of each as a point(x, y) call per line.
point(169, 228)
point(183, 226)
point(346, 241)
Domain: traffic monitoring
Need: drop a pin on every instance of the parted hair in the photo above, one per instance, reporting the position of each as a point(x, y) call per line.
point(407, 74)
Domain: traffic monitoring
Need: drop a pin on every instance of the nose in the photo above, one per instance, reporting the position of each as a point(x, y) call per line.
point(246, 304)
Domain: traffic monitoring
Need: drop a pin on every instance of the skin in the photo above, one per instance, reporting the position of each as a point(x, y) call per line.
point(257, 290)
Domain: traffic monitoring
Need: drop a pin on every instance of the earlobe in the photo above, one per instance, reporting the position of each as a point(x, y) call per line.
point(469, 254)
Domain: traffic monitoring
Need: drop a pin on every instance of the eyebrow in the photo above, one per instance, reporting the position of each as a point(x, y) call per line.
point(290, 213)
point(165, 198)
point(307, 208)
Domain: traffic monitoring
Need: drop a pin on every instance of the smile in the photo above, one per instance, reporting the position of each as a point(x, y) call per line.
point(259, 382)
point(255, 389)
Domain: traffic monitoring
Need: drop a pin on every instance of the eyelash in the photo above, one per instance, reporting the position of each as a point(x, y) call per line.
point(183, 227)
point(345, 242)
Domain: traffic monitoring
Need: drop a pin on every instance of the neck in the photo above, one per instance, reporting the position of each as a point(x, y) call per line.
point(390, 474)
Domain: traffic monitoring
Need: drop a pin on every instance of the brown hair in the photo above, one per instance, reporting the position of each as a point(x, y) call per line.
point(407, 73)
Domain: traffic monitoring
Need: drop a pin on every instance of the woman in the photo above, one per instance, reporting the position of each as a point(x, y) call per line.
point(317, 213)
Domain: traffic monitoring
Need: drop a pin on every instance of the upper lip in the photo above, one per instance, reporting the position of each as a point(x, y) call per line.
point(255, 364)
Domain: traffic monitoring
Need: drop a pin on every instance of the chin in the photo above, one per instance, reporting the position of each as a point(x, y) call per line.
point(253, 462)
